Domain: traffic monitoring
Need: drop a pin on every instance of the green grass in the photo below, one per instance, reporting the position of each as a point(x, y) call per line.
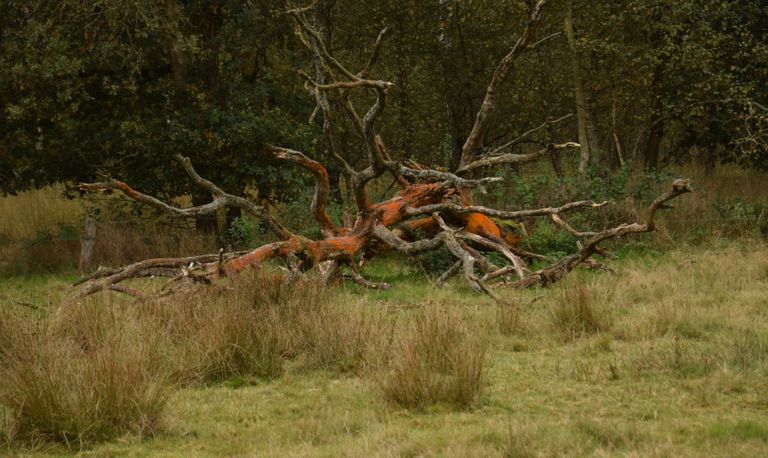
point(680, 369)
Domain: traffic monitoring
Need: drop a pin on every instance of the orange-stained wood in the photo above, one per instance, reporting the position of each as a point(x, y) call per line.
point(388, 213)
point(344, 247)
point(392, 211)
point(427, 226)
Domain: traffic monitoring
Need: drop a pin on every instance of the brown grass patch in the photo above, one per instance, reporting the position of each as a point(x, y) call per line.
point(436, 361)
point(576, 312)
point(78, 385)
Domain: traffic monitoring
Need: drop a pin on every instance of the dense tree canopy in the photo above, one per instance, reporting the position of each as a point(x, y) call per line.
point(122, 86)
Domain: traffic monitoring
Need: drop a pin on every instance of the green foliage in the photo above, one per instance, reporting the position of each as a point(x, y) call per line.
point(437, 261)
point(242, 232)
point(89, 86)
point(122, 86)
point(740, 216)
point(547, 239)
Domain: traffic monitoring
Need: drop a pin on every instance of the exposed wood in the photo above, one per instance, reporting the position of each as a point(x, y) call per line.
point(428, 210)
point(559, 269)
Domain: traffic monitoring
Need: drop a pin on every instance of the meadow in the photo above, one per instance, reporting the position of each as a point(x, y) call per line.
point(668, 356)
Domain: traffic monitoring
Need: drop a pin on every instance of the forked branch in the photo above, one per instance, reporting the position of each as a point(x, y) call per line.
point(559, 269)
point(221, 199)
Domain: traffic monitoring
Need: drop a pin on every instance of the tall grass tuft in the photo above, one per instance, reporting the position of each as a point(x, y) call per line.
point(519, 443)
point(436, 361)
point(254, 328)
point(508, 319)
point(576, 313)
point(340, 338)
point(78, 385)
point(217, 335)
point(37, 211)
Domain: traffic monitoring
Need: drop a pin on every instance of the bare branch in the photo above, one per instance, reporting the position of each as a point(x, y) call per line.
point(449, 178)
point(220, 199)
point(358, 83)
point(389, 238)
point(568, 228)
point(488, 161)
point(362, 281)
point(467, 260)
point(108, 278)
point(525, 135)
point(375, 54)
point(320, 45)
point(301, 9)
point(456, 208)
point(518, 264)
point(559, 269)
point(453, 270)
point(322, 186)
point(545, 39)
point(476, 137)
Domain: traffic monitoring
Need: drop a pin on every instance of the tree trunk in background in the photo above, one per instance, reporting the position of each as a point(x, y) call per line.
point(457, 140)
point(653, 142)
point(213, 23)
point(582, 116)
point(557, 167)
point(618, 149)
point(457, 87)
point(175, 53)
point(205, 224)
point(87, 242)
point(323, 15)
point(656, 128)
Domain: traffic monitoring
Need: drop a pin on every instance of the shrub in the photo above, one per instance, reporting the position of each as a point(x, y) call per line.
point(437, 361)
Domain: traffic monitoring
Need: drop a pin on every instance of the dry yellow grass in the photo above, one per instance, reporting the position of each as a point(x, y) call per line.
point(31, 212)
point(93, 375)
point(680, 371)
point(437, 360)
point(667, 357)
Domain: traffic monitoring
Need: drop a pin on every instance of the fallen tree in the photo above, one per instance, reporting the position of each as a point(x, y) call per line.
point(431, 209)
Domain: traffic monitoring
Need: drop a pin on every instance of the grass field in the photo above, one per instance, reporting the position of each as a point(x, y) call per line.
point(668, 357)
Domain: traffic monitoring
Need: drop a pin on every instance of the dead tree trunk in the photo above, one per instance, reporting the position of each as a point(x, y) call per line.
point(430, 208)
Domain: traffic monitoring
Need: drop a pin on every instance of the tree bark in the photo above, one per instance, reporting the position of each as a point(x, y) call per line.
point(87, 242)
point(175, 53)
point(656, 127)
point(582, 119)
